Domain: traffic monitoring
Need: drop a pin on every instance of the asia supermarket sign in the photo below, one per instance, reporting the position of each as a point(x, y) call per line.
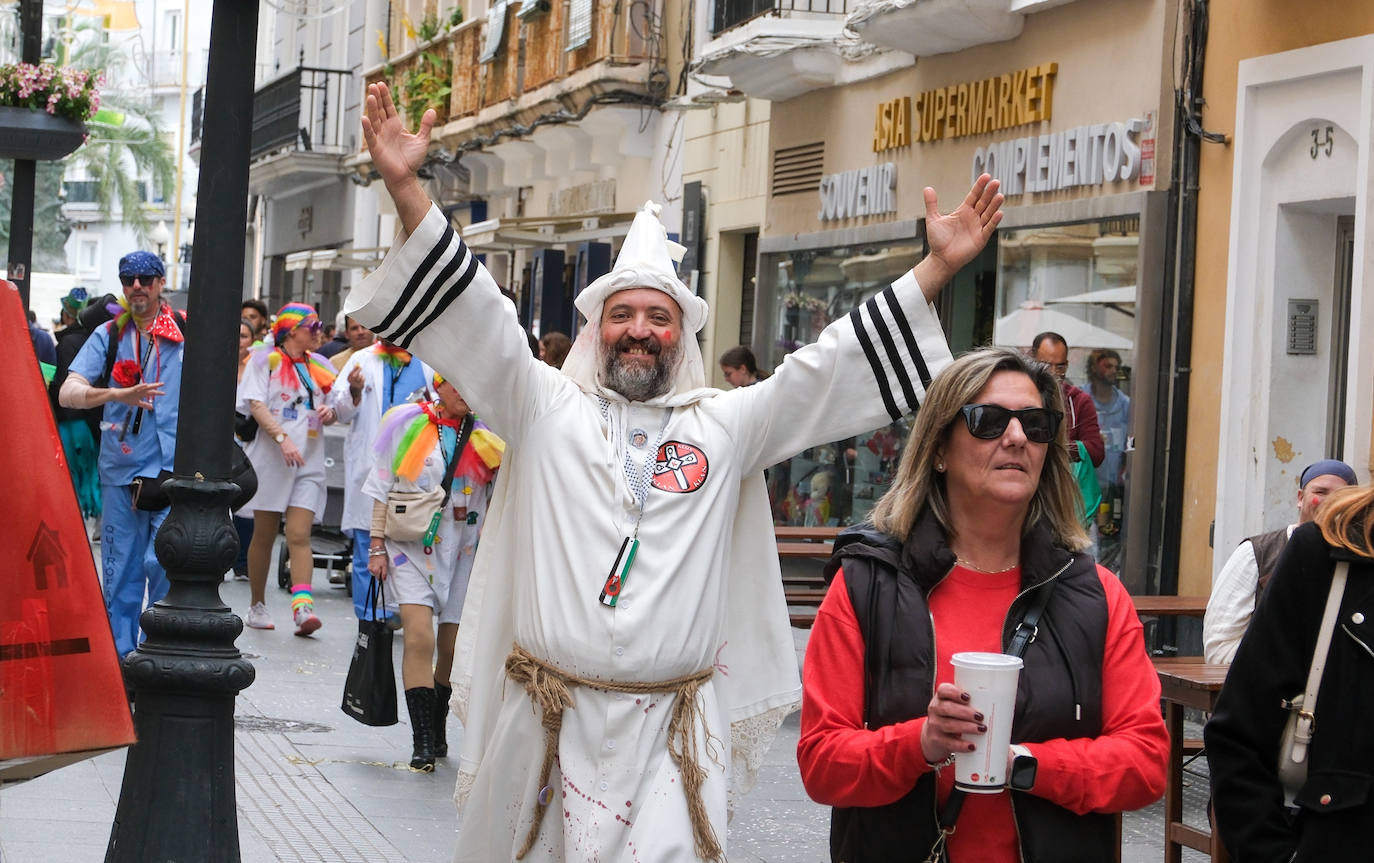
point(1083, 156)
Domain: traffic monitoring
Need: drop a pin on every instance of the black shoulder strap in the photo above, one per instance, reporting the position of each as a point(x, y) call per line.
point(464, 433)
point(111, 349)
point(1029, 625)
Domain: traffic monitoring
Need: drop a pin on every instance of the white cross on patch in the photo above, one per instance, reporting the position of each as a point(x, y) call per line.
point(673, 463)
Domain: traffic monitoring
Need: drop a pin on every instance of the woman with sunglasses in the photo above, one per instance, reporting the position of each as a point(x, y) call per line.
point(978, 532)
point(284, 386)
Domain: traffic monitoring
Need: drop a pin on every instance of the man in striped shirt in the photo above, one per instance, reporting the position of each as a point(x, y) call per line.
point(625, 636)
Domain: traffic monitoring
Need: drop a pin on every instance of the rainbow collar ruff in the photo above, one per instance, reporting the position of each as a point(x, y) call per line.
point(413, 430)
point(322, 374)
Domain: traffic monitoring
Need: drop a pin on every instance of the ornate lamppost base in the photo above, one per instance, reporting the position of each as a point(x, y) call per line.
point(177, 802)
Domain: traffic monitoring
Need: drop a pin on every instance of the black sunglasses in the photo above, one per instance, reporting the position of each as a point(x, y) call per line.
point(128, 281)
point(990, 421)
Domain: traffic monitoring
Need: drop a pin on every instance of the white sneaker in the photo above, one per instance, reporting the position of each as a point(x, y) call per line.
point(258, 618)
point(306, 621)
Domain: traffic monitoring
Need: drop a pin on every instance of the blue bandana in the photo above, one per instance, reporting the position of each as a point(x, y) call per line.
point(141, 264)
point(1328, 467)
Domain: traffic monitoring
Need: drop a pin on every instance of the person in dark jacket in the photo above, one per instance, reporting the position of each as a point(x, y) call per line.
point(980, 525)
point(1333, 815)
point(79, 429)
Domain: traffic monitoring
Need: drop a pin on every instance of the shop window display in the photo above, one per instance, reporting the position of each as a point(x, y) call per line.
point(835, 484)
point(1079, 281)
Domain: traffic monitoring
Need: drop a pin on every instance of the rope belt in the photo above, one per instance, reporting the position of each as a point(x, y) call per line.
point(551, 690)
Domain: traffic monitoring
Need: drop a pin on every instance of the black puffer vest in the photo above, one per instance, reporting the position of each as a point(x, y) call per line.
point(1059, 695)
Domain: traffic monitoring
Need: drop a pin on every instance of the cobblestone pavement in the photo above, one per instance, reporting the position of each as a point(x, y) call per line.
point(313, 785)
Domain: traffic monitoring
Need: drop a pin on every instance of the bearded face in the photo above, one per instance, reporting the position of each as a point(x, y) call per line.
point(639, 369)
point(640, 344)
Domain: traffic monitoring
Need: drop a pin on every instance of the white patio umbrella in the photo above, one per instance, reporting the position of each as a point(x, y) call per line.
point(1020, 327)
point(1122, 299)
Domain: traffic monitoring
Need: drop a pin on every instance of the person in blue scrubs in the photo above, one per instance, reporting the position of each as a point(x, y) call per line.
point(140, 397)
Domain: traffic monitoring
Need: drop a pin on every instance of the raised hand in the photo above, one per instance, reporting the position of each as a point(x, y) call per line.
point(956, 238)
point(396, 153)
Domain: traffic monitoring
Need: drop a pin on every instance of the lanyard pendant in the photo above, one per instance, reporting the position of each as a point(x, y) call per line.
point(615, 581)
point(433, 530)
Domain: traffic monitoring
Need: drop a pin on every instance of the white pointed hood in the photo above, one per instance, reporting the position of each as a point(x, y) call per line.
point(646, 260)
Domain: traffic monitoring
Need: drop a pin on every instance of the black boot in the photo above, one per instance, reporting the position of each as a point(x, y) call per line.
point(441, 697)
point(420, 703)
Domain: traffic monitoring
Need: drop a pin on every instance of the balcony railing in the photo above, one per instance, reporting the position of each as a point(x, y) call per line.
point(732, 13)
point(302, 110)
point(165, 68)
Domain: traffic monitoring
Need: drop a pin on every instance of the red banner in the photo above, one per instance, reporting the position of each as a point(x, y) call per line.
point(61, 693)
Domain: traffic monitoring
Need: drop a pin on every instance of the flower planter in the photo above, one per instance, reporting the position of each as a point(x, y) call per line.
point(28, 133)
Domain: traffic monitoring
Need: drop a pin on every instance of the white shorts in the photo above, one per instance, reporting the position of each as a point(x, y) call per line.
point(281, 486)
point(417, 578)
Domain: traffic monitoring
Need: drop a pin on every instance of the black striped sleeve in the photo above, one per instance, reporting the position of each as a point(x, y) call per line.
point(904, 327)
point(418, 278)
point(894, 358)
point(875, 363)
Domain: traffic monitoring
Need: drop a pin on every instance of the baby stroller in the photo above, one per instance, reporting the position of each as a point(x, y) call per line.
point(330, 547)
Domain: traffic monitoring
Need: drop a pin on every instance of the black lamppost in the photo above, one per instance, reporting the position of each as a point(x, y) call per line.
point(177, 799)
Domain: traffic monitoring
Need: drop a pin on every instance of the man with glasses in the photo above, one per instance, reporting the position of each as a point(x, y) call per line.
point(139, 386)
point(1051, 349)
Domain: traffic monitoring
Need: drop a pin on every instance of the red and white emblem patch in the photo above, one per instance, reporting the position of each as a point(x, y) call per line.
point(679, 468)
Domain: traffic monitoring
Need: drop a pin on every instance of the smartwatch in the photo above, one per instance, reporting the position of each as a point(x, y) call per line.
point(279, 437)
point(1023, 768)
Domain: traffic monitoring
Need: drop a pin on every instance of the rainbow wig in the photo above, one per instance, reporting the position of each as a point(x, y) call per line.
point(292, 315)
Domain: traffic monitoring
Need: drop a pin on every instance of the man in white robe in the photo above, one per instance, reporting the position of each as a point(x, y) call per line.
point(626, 444)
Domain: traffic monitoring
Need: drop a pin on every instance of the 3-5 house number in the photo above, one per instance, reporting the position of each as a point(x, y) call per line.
point(1322, 141)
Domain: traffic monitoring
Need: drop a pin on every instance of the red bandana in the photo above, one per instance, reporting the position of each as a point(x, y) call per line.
point(165, 326)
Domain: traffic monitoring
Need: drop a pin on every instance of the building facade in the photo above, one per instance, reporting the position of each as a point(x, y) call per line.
point(1070, 106)
point(158, 57)
point(549, 134)
point(1283, 344)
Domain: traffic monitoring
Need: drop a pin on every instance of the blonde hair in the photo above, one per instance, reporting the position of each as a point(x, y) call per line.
point(918, 485)
point(1346, 518)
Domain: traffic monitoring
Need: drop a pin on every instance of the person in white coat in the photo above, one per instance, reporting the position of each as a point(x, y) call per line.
point(379, 377)
point(427, 577)
point(626, 700)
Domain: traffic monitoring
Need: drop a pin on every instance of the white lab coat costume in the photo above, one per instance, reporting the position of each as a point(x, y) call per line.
point(363, 420)
point(438, 579)
point(705, 590)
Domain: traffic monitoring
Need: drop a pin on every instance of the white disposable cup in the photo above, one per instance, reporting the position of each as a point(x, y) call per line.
point(990, 681)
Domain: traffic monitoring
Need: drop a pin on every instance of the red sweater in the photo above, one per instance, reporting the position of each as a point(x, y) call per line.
point(1081, 414)
point(844, 764)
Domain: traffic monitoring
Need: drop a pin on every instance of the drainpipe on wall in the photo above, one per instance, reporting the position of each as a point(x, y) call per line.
point(1176, 373)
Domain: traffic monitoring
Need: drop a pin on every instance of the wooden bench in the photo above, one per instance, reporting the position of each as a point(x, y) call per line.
point(803, 586)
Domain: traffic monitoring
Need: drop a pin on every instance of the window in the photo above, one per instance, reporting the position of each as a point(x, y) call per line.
point(1080, 281)
point(171, 30)
point(800, 293)
point(88, 258)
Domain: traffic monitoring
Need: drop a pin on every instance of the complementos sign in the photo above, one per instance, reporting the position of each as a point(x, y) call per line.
point(1083, 156)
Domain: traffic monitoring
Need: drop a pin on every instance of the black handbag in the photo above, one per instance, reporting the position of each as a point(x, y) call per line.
point(370, 690)
point(150, 497)
point(245, 427)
